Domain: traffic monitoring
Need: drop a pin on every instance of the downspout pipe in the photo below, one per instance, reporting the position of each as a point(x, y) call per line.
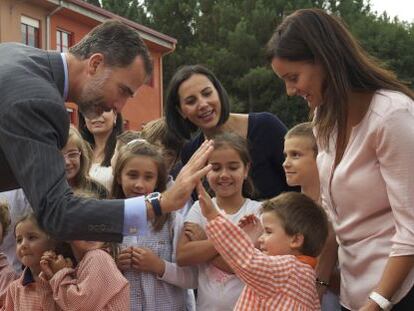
point(48, 16)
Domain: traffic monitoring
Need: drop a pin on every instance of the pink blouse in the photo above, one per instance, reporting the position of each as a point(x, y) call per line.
point(95, 284)
point(369, 197)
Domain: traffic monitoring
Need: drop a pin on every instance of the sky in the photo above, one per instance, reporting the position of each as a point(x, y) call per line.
point(404, 9)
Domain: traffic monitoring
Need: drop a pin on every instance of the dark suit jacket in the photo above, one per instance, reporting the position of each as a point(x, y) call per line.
point(34, 126)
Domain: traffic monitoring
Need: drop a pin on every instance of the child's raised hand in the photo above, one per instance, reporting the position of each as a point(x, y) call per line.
point(144, 259)
point(194, 232)
point(208, 209)
point(124, 260)
point(252, 226)
point(247, 220)
point(177, 195)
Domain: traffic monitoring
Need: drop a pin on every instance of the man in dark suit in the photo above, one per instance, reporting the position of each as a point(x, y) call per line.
point(99, 73)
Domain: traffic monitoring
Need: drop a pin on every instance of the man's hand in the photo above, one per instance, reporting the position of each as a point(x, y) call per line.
point(179, 193)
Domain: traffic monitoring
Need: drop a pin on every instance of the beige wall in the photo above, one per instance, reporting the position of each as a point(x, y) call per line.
point(10, 14)
point(144, 107)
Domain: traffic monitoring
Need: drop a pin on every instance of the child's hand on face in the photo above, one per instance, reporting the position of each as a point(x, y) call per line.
point(45, 264)
point(208, 209)
point(124, 260)
point(50, 263)
point(145, 260)
point(194, 232)
point(252, 226)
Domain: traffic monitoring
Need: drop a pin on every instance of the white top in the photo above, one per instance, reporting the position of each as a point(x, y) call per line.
point(369, 197)
point(102, 174)
point(218, 290)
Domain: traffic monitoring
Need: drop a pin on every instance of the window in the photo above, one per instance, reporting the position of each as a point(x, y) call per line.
point(30, 31)
point(63, 40)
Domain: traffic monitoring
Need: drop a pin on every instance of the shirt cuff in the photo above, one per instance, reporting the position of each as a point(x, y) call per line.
point(135, 217)
point(167, 272)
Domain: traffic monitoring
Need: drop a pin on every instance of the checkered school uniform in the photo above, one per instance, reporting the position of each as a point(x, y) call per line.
point(280, 283)
point(148, 292)
point(27, 294)
point(95, 284)
point(7, 275)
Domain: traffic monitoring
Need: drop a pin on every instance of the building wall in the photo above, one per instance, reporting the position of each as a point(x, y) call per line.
point(10, 14)
point(145, 106)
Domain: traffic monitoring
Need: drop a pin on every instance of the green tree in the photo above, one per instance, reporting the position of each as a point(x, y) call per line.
point(229, 37)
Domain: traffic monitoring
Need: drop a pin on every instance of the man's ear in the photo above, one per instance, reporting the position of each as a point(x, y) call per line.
point(94, 61)
point(296, 241)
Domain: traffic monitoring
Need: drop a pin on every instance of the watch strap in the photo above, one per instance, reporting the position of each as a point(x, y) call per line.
point(154, 200)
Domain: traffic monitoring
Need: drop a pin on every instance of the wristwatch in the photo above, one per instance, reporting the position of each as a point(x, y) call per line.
point(380, 300)
point(154, 199)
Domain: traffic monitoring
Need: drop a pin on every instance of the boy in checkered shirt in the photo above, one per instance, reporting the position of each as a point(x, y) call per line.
point(279, 276)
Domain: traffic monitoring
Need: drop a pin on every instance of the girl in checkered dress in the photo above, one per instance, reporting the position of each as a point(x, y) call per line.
point(30, 291)
point(148, 262)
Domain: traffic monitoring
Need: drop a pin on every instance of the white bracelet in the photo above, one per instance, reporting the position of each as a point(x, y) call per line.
point(380, 300)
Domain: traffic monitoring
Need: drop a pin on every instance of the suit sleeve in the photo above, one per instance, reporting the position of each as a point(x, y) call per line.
point(32, 132)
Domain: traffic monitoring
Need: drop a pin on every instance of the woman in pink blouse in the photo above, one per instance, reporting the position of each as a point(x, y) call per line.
point(364, 123)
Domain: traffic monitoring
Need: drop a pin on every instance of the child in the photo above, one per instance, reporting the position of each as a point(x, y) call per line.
point(147, 261)
point(77, 155)
point(7, 273)
point(157, 133)
point(95, 283)
point(121, 140)
point(301, 170)
point(30, 292)
point(300, 160)
point(218, 286)
point(279, 276)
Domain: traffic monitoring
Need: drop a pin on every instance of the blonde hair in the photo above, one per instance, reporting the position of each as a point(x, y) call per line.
point(125, 137)
point(82, 177)
point(140, 147)
point(82, 180)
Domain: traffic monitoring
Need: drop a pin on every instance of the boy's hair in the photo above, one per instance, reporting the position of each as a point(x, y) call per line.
point(299, 214)
point(141, 147)
point(156, 131)
point(238, 144)
point(4, 217)
point(304, 130)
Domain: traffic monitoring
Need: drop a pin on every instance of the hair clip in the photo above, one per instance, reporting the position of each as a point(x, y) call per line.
point(136, 140)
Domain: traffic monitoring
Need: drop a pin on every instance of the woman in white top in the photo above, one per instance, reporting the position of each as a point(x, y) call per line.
point(101, 133)
point(364, 124)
